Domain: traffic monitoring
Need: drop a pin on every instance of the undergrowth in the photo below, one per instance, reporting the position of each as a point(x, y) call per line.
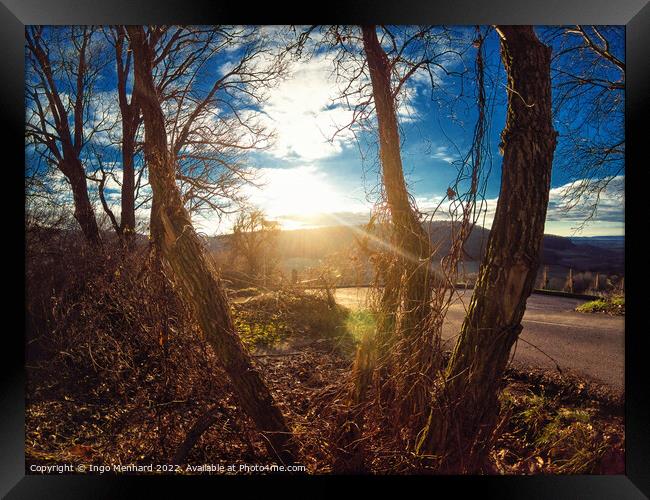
point(614, 306)
point(545, 434)
point(267, 319)
point(118, 372)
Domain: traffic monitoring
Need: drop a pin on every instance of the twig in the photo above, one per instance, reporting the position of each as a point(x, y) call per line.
point(557, 366)
point(277, 354)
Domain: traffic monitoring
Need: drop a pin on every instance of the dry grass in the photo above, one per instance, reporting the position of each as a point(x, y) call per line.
point(269, 318)
point(545, 435)
point(118, 374)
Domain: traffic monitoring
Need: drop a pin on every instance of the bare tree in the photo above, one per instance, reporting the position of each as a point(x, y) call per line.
point(192, 270)
point(208, 80)
point(407, 291)
point(62, 69)
point(402, 357)
point(588, 71)
point(253, 240)
point(131, 120)
point(462, 419)
point(210, 124)
point(374, 76)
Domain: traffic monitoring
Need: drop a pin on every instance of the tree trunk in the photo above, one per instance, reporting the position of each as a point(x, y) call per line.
point(130, 112)
point(83, 209)
point(407, 291)
point(463, 419)
point(400, 358)
point(174, 235)
point(127, 218)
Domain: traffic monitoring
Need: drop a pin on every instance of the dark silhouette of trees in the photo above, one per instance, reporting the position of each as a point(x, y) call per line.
point(59, 90)
point(65, 91)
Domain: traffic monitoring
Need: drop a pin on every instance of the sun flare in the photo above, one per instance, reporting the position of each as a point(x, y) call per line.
point(291, 194)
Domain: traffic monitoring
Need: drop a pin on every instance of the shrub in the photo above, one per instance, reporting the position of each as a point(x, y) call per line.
point(121, 364)
point(614, 306)
point(268, 318)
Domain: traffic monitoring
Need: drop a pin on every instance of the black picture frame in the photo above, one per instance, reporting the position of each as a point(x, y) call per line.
point(634, 14)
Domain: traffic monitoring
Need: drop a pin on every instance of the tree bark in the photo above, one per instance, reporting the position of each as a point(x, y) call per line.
point(130, 112)
point(463, 419)
point(406, 298)
point(127, 218)
point(84, 212)
point(175, 237)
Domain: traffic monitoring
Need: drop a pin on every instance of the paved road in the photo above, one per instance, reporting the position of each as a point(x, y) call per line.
point(589, 345)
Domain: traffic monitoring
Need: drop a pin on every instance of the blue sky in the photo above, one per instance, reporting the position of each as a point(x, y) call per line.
point(310, 177)
point(337, 181)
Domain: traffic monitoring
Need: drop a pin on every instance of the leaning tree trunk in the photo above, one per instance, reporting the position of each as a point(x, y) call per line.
point(175, 237)
point(463, 419)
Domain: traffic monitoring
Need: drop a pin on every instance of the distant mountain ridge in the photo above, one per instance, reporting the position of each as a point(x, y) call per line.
point(609, 242)
point(304, 247)
point(317, 243)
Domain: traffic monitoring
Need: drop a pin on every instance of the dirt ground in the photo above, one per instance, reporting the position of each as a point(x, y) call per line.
point(579, 427)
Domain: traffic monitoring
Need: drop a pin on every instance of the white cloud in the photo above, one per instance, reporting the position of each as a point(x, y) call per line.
point(609, 217)
point(309, 116)
point(303, 111)
point(442, 153)
point(609, 203)
point(407, 112)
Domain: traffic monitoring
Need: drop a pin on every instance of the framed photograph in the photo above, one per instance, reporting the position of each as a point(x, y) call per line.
point(380, 241)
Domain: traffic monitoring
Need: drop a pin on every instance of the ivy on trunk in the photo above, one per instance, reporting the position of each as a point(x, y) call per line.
point(464, 415)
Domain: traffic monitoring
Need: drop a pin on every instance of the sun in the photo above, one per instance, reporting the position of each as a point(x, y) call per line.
point(299, 191)
point(299, 197)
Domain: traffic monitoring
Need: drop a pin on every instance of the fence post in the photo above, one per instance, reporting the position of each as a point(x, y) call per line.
point(569, 283)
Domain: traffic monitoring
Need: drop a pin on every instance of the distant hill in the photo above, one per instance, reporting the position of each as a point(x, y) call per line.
point(303, 246)
point(608, 242)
